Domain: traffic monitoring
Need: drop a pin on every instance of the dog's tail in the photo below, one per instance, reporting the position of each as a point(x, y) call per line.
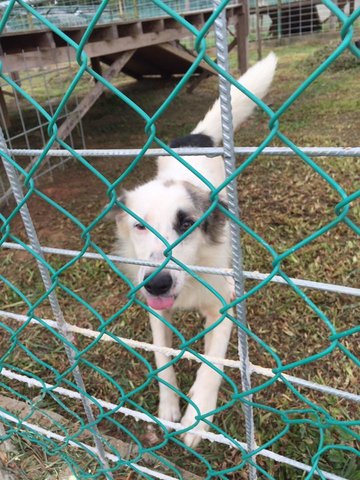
point(257, 80)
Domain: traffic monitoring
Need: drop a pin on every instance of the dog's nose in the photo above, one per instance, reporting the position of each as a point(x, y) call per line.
point(159, 285)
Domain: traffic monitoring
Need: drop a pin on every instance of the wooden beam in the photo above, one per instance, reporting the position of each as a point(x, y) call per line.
point(180, 52)
point(96, 66)
point(88, 101)
point(4, 117)
point(46, 40)
point(232, 44)
point(154, 26)
point(242, 32)
point(38, 58)
point(34, 48)
point(15, 76)
point(108, 32)
point(197, 80)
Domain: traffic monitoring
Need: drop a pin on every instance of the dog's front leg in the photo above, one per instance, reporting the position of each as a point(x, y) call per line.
point(204, 391)
point(169, 408)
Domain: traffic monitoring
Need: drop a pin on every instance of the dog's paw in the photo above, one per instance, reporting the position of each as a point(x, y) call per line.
point(205, 403)
point(169, 407)
point(191, 439)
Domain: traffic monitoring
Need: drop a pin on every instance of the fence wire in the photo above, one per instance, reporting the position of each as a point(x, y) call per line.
point(91, 431)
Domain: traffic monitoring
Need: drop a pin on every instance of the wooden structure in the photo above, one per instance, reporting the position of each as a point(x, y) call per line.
point(42, 47)
point(136, 47)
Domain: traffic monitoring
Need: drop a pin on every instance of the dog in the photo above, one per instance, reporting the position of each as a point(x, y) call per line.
point(171, 203)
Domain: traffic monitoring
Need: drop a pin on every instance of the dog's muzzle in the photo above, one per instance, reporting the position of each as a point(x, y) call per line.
point(158, 291)
point(159, 285)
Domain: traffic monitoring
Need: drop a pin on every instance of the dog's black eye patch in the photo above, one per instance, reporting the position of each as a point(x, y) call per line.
point(183, 222)
point(192, 140)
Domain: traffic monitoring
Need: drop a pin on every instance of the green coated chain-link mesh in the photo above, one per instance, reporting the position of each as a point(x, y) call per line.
point(104, 458)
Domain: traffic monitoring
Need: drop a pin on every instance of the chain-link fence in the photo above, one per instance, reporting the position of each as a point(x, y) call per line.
point(29, 131)
point(275, 20)
point(48, 398)
point(69, 13)
point(269, 19)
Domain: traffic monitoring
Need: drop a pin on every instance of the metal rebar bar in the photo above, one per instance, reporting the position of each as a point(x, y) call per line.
point(346, 152)
point(237, 257)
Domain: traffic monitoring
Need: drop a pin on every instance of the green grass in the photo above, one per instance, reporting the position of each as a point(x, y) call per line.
point(282, 199)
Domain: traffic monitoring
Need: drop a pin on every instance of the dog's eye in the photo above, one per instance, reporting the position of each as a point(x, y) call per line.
point(185, 225)
point(139, 226)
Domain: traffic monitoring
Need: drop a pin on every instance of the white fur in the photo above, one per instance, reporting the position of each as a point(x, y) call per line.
point(256, 80)
point(157, 202)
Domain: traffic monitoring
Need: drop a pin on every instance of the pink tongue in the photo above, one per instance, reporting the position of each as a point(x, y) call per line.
point(160, 303)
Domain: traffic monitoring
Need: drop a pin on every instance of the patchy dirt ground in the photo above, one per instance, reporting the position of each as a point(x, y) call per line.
point(282, 199)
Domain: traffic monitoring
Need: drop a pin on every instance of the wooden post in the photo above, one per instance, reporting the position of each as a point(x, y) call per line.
point(4, 117)
point(96, 65)
point(242, 32)
point(16, 77)
point(258, 31)
point(279, 21)
point(90, 98)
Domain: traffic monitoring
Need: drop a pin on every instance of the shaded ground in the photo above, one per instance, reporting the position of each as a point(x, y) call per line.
point(282, 199)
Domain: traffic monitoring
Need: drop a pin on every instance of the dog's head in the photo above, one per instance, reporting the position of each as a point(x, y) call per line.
point(170, 208)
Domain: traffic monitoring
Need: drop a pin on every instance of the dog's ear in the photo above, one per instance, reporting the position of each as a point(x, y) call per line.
point(213, 226)
point(116, 212)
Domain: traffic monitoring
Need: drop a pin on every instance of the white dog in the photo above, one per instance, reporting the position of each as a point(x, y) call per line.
point(171, 203)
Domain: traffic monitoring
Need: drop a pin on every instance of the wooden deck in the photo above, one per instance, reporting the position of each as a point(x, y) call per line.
point(43, 47)
point(147, 47)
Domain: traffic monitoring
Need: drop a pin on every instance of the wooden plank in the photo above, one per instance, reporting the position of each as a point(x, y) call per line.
point(96, 66)
point(108, 32)
point(184, 55)
point(242, 33)
point(197, 80)
point(88, 101)
point(4, 117)
point(140, 65)
point(154, 26)
point(38, 58)
point(128, 36)
point(46, 40)
point(232, 11)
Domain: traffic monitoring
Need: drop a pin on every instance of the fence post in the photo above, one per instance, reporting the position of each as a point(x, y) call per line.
point(279, 22)
point(54, 303)
point(229, 159)
point(258, 31)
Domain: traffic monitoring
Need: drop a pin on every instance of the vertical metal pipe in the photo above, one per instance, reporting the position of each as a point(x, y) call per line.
point(229, 159)
point(54, 303)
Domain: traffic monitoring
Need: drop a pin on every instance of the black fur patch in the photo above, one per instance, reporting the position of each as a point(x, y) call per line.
point(192, 140)
point(215, 223)
point(183, 222)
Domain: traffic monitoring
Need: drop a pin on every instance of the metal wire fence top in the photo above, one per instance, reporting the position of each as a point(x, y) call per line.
point(96, 426)
point(74, 14)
